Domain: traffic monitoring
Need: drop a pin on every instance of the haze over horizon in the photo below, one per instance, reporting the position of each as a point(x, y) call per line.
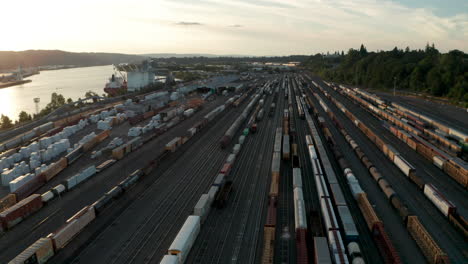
point(256, 28)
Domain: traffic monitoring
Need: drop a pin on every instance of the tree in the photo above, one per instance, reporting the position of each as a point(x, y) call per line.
point(363, 51)
point(89, 94)
point(69, 101)
point(6, 122)
point(24, 117)
point(56, 101)
point(418, 70)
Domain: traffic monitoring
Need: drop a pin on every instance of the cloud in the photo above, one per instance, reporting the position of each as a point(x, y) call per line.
point(236, 26)
point(263, 3)
point(186, 23)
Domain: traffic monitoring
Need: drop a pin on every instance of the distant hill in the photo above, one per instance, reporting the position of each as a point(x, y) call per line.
point(34, 58)
point(188, 55)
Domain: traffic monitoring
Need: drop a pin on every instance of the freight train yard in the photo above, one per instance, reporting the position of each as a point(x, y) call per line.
point(290, 169)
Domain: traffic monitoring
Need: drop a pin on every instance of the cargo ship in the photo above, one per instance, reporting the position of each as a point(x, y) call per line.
point(133, 77)
point(116, 85)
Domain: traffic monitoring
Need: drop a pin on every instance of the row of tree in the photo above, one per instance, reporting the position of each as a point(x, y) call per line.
point(56, 101)
point(427, 71)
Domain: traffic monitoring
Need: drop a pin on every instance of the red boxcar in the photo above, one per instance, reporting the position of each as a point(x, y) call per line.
point(15, 214)
point(226, 168)
point(301, 246)
point(30, 187)
point(384, 244)
point(271, 213)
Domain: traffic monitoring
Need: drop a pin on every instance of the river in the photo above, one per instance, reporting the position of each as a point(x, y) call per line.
point(71, 83)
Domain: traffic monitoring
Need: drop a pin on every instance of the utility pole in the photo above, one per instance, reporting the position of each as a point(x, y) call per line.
point(394, 86)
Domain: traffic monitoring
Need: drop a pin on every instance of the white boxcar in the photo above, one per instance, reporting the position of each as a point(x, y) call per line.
point(439, 162)
point(298, 194)
point(169, 259)
point(438, 199)
point(231, 158)
point(337, 247)
point(184, 240)
point(300, 219)
point(297, 178)
point(403, 165)
point(328, 214)
point(236, 149)
point(202, 208)
point(212, 193)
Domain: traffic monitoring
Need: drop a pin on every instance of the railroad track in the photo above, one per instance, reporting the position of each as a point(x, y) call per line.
point(262, 169)
point(425, 169)
point(158, 181)
point(285, 232)
point(244, 163)
point(447, 236)
point(190, 189)
point(370, 252)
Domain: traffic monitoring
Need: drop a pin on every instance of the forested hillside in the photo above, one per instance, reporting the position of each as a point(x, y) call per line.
point(34, 58)
point(428, 71)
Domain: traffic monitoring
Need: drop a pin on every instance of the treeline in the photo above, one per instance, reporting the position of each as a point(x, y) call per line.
point(427, 71)
point(34, 58)
point(231, 60)
point(56, 101)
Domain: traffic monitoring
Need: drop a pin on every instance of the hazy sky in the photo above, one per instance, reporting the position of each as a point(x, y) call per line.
point(249, 27)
